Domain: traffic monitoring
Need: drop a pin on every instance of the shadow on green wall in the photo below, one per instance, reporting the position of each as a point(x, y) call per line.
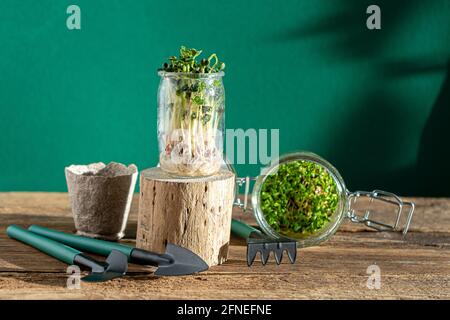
point(349, 38)
point(376, 133)
point(429, 176)
point(433, 169)
point(370, 137)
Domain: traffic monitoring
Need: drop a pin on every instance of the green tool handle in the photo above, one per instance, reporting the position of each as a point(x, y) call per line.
point(242, 229)
point(48, 246)
point(100, 247)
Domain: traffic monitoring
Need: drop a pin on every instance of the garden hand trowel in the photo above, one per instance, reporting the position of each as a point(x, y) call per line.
point(259, 242)
point(115, 265)
point(174, 262)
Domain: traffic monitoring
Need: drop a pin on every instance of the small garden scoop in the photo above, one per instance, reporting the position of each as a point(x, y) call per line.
point(259, 242)
point(115, 265)
point(174, 262)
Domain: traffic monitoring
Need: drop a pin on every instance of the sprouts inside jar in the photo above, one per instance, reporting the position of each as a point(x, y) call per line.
point(299, 199)
point(190, 125)
point(191, 104)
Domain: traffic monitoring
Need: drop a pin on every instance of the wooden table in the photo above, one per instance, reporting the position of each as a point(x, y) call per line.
point(415, 268)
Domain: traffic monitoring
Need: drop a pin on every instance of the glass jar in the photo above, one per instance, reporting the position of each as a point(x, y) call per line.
point(191, 115)
point(344, 209)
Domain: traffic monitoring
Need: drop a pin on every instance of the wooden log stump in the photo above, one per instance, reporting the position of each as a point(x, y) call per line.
point(191, 212)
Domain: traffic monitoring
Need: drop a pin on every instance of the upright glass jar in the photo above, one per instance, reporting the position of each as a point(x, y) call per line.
point(191, 115)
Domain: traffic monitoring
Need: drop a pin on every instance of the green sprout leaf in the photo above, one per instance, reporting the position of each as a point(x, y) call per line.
point(187, 62)
point(198, 100)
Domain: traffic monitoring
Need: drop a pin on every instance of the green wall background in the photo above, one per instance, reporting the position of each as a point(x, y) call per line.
point(374, 103)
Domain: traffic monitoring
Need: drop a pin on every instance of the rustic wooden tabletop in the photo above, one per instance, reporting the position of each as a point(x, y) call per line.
point(417, 267)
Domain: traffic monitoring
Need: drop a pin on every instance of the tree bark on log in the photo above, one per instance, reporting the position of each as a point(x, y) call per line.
point(191, 212)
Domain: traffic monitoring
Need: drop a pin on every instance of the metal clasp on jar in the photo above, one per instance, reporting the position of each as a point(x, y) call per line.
point(385, 198)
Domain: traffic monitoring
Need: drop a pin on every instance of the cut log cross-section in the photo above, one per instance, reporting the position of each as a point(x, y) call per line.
point(191, 212)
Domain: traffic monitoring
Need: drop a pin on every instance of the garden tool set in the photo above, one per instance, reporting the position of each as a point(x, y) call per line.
point(65, 247)
point(114, 266)
point(175, 261)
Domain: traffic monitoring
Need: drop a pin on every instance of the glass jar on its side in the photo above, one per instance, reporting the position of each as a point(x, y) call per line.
point(344, 207)
point(191, 115)
point(335, 219)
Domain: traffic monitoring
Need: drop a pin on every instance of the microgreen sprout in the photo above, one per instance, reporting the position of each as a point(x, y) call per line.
point(299, 198)
point(187, 62)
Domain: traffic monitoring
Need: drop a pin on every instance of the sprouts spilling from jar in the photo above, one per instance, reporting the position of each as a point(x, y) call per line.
point(299, 199)
point(191, 105)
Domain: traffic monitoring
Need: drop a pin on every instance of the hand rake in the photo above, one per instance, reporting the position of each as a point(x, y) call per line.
point(257, 241)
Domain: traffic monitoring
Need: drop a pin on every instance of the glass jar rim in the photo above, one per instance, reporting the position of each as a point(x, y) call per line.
point(338, 216)
point(191, 75)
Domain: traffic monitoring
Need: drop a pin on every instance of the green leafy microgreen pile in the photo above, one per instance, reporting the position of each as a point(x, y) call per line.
point(299, 199)
point(187, 62)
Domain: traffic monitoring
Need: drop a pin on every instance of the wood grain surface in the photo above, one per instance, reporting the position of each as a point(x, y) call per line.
point(417, 267)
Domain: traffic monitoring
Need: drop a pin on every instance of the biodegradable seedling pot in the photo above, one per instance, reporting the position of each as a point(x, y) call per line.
point(100, 196)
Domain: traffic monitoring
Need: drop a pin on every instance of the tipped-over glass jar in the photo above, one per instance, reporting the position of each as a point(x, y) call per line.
point(191, 115)
point(302, 197)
